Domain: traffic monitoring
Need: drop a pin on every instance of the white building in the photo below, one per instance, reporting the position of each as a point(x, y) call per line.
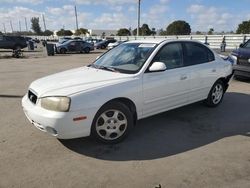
point(100, 32)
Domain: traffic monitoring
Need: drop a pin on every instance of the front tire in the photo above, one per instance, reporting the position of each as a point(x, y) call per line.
point(216, 94)
point(112, 123)
point(63, 51)
point(87, 50)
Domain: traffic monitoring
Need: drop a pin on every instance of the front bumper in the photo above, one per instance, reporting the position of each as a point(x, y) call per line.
point(240, 70)
point(58, 124)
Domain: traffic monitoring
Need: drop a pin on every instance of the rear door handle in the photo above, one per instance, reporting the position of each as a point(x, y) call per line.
point(213, 70)
point(183, 77)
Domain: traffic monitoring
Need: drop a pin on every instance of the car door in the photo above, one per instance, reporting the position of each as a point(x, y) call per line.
point(78, 46)
point(83, 45)
point(167, 89)
point(72, 46)
point(201, 63)
point(4, 43)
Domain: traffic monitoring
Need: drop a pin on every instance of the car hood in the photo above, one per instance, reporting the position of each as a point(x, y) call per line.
point(59, 44)
point(242, 52)
point(76, 80)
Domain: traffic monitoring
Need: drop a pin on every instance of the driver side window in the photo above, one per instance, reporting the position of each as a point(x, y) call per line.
point(170, 54)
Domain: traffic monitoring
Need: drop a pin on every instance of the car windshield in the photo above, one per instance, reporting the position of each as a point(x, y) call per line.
point(125, 58)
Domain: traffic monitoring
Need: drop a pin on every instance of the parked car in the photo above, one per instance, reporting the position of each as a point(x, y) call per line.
point(135, 80)
point(64, 39)
point(94, 41)
point(77, 38)
point(104, 44)
point(241, 58)
point(112, 45)
point(74, 46)
point(12, 42)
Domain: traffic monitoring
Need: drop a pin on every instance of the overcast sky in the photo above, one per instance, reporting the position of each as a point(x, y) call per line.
point(222, 15)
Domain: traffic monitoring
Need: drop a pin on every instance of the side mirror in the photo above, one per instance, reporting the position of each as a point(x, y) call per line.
point(157, 67)
point(241, 45)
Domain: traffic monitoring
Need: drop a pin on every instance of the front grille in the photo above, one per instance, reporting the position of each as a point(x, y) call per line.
point(32, 97)
point(243, 62)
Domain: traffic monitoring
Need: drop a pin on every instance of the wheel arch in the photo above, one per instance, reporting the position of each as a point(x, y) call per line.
point(225, 80)
point(127, 102)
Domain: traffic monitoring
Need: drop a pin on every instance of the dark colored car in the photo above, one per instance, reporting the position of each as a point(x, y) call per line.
point(64, 39)
point(242, 60)
point(104, 44)
point(12, 42)
point(74, 46)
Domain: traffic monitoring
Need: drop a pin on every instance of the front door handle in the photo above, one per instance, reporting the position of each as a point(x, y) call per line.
point(183, 77)
point(213, 70)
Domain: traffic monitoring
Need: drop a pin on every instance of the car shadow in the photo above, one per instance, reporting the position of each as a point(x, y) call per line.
point(174, 132)
point(242, 79)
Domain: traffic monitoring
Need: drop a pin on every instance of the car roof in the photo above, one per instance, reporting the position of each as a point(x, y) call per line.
point(155, 41)
point(158, 41)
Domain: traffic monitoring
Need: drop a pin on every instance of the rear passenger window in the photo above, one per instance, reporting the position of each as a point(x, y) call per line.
point(197, 54)
point(171, 55)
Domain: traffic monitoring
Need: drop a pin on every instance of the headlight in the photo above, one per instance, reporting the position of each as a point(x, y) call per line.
point(59, 104)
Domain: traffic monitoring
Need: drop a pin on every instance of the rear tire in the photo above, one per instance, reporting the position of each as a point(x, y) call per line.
point(63, 51)
point(216, 94)
point(17, 47)
point(112, 123)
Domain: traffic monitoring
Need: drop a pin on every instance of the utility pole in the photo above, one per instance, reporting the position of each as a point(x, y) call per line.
point(44, 23)
point(139, 12)
point(20, 28)
point(11, 26)
point(26, 24)
point(76, 18)
point(4, 28)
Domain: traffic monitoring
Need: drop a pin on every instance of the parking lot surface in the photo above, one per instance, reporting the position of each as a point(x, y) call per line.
point(193, 146)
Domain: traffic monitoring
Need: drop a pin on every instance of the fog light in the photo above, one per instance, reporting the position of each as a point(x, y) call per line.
point(51, 130)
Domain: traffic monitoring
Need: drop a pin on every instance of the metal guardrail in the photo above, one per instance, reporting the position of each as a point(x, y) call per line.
point(232, 41)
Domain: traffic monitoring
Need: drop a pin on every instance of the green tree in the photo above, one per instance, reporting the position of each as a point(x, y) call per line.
point(135, 31)
point(123, 32)
point(47, 33)
point(153, 31)
point(211, 31)
point(162, 32)
point(145, 31)
point(198, 33)
point(81, 31)
point(243, 28)
point(179, 27)
point(63, 32)
point(35, 26)
point(1, 33)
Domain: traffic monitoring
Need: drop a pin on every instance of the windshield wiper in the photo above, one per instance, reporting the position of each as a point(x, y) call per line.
point(108, 68)
point(93, 65)
point(103, 67)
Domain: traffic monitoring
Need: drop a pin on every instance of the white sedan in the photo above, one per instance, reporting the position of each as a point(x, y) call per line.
point(135, 80)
